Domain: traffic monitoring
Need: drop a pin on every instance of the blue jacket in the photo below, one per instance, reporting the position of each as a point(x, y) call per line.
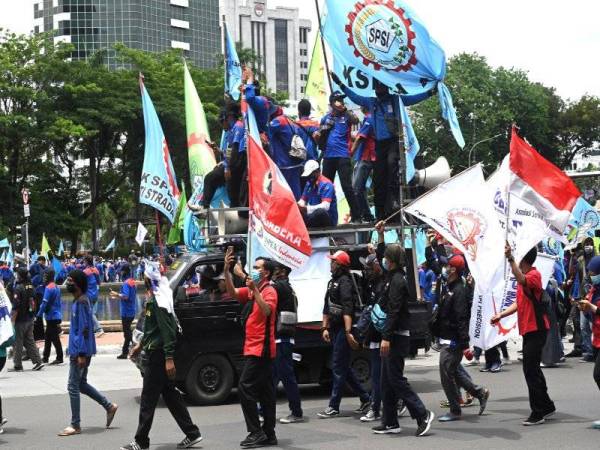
point(93, 279)
point(128, 302)
point(82, 341)
point(338, 141)
point(384, 109)
point(260, 107)
point(308, 126)
point(235, 139)
point(51, 307)
point(281, 131)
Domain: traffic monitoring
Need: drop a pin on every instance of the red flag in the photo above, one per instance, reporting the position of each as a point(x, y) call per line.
point(541, 184)
point(276, 219)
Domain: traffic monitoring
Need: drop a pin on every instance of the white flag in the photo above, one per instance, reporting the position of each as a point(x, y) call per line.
point(459, 210)
point(141, 234)
point(6, 327)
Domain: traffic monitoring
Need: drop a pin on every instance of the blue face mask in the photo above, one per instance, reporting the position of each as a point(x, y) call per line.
point(255, 275)
point(385, 264)
point(595, 279)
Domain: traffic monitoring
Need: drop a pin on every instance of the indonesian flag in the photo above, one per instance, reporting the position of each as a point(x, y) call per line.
point(275, 217)
point(541, 184)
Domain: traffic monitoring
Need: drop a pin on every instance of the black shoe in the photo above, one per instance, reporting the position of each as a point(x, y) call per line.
point(122, 356)
point(549, 414)
point(16, 369)
point(38, 366)
point(574, 354)
point(364, 407)
point(533, 420)
point(271, 440)
point(485, 395)
point(133, 446)
point(387, 429)
point(56, 362)
point(45, 360)
point(256, 439)
point(425, 424)
point(189, 442)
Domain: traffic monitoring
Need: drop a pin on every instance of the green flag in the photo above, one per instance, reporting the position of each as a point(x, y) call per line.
point(317, 89)
point(45, 246)
point(175, 230)
point(201, 156)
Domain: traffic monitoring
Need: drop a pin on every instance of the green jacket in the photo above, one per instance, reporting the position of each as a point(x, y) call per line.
point(160, 329)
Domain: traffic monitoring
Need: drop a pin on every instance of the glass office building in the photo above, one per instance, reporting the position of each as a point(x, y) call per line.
point(151, 25)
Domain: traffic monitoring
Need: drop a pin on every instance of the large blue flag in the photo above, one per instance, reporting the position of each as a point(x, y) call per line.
point(4, 243)
point(411, 144)
point(58, 267)
point(584, 220)
point(33, 258)
point(111, 245)
point(387, 41)
point(158, 187)
point(233, 68)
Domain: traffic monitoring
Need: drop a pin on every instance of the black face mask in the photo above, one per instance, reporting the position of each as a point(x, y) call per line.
point(71, 287)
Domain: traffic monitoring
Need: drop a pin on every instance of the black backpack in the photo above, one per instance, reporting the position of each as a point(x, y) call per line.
point(541, 308)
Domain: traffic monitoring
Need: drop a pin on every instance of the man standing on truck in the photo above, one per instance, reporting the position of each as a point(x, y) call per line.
point(158, 343)
point(258, 317)
point(395, 343)
point(338, 313)
point(287, 317)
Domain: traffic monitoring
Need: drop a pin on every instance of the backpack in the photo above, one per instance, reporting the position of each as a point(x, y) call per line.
point(297, 148)
point(541, 308)
point(287, 320)
point(378, 318)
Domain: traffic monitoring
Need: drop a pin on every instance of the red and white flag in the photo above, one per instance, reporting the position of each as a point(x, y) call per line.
point(275, 220)
point(541, 184)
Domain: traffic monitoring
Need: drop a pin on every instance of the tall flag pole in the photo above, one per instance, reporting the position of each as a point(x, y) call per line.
point(316, 89)
point(158, 186)
point(320, 37)
point(233, 68)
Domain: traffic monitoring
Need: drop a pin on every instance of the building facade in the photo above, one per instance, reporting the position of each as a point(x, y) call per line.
point(278, 36)
point(151, 25)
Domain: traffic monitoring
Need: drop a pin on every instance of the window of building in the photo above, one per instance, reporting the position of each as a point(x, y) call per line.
point(281, 55)
point(303, 35)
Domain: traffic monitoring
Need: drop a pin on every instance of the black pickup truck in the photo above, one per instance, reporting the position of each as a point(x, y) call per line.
point(208, 356)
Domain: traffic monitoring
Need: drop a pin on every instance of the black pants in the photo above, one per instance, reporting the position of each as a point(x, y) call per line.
point(539, 401)
point(596, 367)
point(213, 180)
point(575, 316)
point(38, 325)
point(343, 167)
point(53, 338)
point(318, 219)
point(394, 385)
point(126, 324)
point(256, 386)
point(155, 384)
point(2, 362)
point(237, 188)
point(386, 178)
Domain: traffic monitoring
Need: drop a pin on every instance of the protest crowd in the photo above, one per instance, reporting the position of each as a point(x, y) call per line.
point(366, 306)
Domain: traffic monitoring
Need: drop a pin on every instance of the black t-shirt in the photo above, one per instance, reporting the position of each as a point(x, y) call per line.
point(24, 301)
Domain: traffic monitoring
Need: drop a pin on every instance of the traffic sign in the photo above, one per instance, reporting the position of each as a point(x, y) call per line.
point(26, 212)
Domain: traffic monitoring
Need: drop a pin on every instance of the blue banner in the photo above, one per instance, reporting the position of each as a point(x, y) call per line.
point(233, 68)
point(387, 41)
point(4, 243)
point(584, 220)
point(158, 187)
point(411, 143)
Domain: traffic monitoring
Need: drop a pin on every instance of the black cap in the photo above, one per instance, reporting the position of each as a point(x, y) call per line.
point(335, 97)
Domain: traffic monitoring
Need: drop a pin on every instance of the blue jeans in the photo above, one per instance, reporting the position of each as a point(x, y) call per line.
point(78, 384)
point(585, 322)
point(97, 326)
point(375, 380)
point(342, 373)
point(362, 170)
point(283, 371)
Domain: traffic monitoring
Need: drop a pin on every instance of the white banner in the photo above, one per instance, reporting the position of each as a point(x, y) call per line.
point(141, 234)
point(459, 210)
point(488, 302)
point(6, 327)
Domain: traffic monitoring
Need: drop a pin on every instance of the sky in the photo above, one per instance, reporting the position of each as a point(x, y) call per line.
point(556, 42)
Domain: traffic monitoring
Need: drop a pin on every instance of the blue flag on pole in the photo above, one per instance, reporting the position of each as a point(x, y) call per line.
point(3, 257)
point(411, 143)
point(33, 257)
point(61, 248)
point(387, 41)
point(584, 220)
point(111, 245)
point(158, 187)
point(4, 243)
point(57, 266)
point(10, 258)
point(233, 68)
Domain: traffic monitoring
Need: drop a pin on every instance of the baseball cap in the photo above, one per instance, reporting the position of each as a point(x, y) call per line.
point(341, 257)
point(310, 167)
point(369, 260)
point(458, 262)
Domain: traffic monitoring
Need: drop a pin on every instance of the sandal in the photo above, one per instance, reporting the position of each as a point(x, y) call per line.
point(70, 431)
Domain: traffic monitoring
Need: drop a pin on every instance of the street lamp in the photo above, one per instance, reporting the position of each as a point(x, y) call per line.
point(479, 142)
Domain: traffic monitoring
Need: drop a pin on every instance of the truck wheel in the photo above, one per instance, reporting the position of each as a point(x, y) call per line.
point(209, 380)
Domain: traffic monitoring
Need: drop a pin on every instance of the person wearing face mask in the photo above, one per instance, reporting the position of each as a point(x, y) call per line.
point(338, 313)
point(395, 343)
point(334, 137)
point(591, 305)
point(255, 385)
point(385, 112)
point(50, 309)
point(318, 203)
point(453, 331)
point(533, 325)
point(585, 318)
point(81, 348)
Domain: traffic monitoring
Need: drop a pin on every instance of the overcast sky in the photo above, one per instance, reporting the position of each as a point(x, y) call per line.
point(558, 43)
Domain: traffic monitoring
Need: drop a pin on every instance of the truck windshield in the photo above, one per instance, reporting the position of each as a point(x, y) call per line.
point(179, 264)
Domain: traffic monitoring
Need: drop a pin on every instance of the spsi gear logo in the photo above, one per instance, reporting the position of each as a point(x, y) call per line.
point(467, 226)
point(381, 35)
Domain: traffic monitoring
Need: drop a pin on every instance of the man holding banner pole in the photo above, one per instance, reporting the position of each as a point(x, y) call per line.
point(533, 326)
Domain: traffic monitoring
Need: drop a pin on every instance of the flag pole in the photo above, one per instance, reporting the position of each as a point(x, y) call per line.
point(323, 46)
point(160, 243)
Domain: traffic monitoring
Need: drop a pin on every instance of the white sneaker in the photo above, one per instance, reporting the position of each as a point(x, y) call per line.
point(370, 417)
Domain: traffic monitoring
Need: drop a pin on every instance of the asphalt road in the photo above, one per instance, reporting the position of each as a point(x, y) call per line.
point(37, 411)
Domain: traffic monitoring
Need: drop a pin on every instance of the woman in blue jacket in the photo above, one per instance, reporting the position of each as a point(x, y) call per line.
point(82, 346)
point(50, 309)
